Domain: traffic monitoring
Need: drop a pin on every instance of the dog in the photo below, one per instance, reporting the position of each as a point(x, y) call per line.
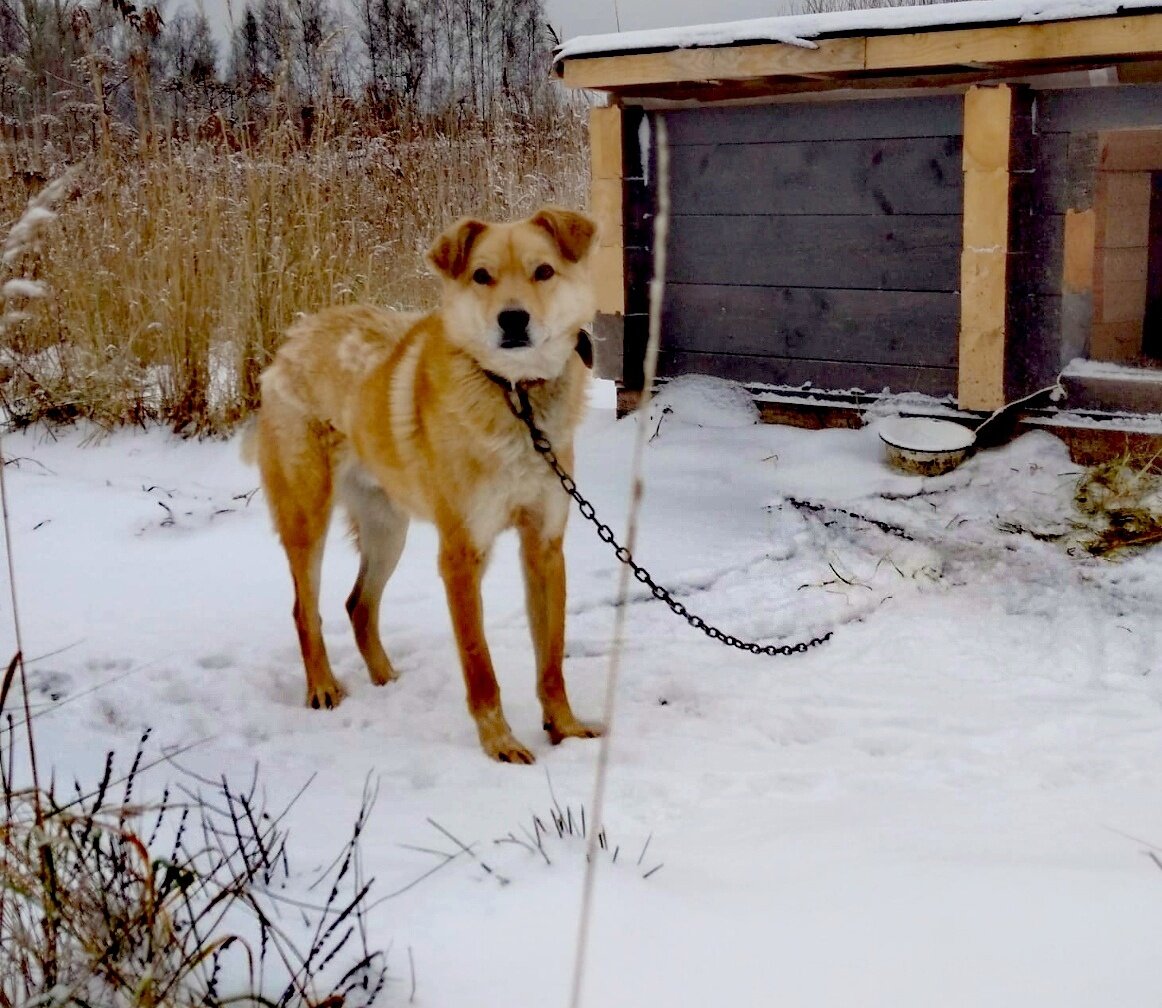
point(405, 415)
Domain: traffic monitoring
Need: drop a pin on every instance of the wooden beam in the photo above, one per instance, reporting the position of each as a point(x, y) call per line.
point(1117, 38)
point(725, 63)
point(984, 272)
point(1078, 259)
point(1133, 150)
point(1000, 50)
point(606, 197)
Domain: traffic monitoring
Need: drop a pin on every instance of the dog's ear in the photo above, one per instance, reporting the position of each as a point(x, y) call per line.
point(450, 252)
point(573, 232)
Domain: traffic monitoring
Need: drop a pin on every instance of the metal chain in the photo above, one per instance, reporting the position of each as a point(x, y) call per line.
point(545, 449)
point(886, 527)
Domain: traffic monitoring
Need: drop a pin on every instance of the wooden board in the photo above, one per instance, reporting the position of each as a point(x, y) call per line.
point(884, 327)
point(824, 374)
point(1111, 392)
point(605, 203)
point(1093, 110)
point(1033, 354)
point(1016, 44)
point(1078, 252)
point(984, 273)
point(1132, 150)
point(1152, 329)
point(867, 253)
point(906, 176)
point(999, 48)
point(879, 119)
point(719, 63)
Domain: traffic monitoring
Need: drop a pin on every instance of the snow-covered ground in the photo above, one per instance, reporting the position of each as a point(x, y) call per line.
point(952, 803)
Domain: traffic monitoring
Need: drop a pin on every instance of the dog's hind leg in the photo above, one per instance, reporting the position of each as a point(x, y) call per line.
point(380, 531)
point(295, 464)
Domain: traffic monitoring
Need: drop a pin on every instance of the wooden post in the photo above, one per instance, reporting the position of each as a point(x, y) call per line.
point(984, 262)
point(605, 205)
point(1122, 242)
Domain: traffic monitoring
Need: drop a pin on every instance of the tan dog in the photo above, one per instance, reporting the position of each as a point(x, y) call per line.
point(405, 415)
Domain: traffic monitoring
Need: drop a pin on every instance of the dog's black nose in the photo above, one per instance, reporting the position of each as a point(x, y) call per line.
point(514, 325)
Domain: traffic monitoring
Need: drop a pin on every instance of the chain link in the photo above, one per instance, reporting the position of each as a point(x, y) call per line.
point(887, 527)
point(524, 413)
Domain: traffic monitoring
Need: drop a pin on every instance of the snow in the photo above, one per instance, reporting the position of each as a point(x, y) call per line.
point(705, 401)
point(925, 435)
point(22, 288)
point(801, 29)
point(1084, 368)
point(949, 803)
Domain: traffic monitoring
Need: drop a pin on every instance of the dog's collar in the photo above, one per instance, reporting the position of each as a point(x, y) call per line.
point(584, 350)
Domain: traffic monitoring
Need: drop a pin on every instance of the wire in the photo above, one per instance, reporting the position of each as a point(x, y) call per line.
point(16, 629)
point(637, 491)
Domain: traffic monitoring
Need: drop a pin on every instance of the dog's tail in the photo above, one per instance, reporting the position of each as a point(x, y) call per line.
point(248, 443)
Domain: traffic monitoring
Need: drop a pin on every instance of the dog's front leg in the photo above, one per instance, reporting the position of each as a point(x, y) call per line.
point(461, 567)
point(544, 570)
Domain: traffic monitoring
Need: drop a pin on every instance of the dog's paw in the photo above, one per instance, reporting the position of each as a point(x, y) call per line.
point(572, 728)
point(506, 749)
point(382, 676)
point(325, 696)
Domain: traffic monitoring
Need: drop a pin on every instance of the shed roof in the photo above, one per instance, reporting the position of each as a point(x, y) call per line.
point(942, 38)
point(803, 29)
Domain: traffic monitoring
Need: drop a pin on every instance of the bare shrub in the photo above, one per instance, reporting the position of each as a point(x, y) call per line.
point(107, 901)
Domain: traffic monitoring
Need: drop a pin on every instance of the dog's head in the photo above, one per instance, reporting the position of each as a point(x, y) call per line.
point(514, 295)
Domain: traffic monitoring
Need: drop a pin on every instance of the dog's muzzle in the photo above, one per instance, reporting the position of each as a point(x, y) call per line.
point(514, 329)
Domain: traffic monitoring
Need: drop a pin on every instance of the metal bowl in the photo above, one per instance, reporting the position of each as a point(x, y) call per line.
point(921, 446)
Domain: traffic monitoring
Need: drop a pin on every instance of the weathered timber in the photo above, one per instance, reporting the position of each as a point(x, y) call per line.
point(888, 327)
point(825, 374)
point(860, 177)
point(916, 252)
point(1094, 110)
point(877, 119)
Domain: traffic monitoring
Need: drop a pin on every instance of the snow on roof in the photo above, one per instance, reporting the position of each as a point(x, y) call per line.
point(800, 29)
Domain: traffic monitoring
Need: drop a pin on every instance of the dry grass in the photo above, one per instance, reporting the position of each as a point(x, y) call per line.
point(1120, 502)
point(172, 272)
point(176, 904)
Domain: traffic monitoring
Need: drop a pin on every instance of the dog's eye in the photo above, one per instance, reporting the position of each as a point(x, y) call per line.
point(482, 277)
point(544, 272)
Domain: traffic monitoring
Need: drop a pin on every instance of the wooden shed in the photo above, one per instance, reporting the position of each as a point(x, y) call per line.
point(963, 200)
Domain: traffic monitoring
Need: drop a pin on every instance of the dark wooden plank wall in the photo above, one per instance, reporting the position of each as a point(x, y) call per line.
point(819, 242)
point(1152, 338)
point(816, 242)
point(638, 237)
point(1054, 326)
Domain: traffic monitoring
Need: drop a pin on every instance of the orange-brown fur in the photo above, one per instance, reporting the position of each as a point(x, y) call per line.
point(394, 414)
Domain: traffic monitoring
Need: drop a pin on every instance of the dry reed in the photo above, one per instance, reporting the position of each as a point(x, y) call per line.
point(176, 267)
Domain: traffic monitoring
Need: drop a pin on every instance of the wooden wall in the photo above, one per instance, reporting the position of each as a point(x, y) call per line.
point(1055, 295)
point(815, 242)
point(820, 241)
